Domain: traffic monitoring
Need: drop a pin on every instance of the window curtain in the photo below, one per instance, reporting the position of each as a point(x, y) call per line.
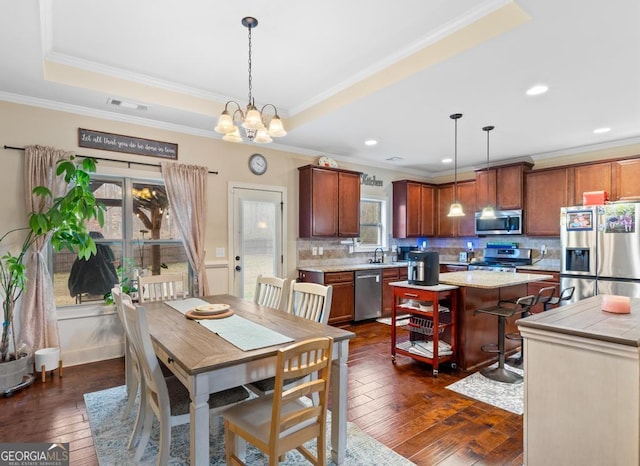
point(38, 317)
point(187, 190)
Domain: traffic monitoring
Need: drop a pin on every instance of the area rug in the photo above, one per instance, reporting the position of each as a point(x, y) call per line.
point(400, 320)
point(111, 434)
point(507, 396)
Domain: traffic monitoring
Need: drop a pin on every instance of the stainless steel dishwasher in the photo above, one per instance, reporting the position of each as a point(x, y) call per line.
point(368, 294)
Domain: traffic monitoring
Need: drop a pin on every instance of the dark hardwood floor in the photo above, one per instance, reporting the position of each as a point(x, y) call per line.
point(401, 405)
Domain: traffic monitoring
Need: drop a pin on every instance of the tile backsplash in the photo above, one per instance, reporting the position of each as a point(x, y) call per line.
point(335, 253)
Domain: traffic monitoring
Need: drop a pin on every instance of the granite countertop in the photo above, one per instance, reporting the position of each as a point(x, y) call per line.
point(350, 267)
point(489, 280)
point(586, 319)
point(386, 265)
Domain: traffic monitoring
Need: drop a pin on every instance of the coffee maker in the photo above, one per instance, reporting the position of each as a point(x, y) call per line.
point(423, 268)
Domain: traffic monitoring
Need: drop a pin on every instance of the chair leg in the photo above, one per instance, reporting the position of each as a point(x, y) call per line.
point(145, 434)
point(137, 427)
point(165, 439)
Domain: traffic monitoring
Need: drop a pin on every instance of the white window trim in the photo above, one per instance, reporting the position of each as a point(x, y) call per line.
point(385, 225)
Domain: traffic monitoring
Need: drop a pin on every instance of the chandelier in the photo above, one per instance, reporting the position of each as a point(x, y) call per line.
point(252, 120)
point(455, 210)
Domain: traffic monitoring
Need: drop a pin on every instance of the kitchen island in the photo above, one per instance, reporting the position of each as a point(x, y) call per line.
point(481, 289)
point(582, 385)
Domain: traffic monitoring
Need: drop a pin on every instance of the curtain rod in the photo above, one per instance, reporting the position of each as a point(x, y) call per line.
point(110, 160)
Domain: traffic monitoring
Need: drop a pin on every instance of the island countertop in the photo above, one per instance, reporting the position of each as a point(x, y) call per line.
point(586, 319)
point(490, 280)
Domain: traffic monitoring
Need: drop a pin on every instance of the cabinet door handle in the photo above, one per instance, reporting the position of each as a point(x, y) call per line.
point(412, 295)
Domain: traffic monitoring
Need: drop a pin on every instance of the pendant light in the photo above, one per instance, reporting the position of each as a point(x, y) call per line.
point(253, 121)
point(488, 211)
point(456, 208)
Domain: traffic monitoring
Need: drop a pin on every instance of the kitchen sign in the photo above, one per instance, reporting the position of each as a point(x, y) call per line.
point(369, 180)
point(127, 144)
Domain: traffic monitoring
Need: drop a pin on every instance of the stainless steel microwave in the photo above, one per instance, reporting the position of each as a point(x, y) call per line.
point(506, 222)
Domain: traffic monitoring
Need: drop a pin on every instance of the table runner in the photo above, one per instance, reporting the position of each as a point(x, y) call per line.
point(243, 333)
point(237, 330)
point(184, 305)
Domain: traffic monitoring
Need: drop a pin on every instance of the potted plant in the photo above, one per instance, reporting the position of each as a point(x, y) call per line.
point(64, 220)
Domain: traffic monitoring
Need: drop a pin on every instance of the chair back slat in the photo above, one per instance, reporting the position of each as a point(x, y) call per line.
point(270, 292)
point(162, 287)
point(310, 300)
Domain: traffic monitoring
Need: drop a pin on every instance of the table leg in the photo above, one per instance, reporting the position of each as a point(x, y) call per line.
point(339, 377)
point(199, 428)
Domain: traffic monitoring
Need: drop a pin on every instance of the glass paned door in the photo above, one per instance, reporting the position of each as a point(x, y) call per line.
point(258, 238)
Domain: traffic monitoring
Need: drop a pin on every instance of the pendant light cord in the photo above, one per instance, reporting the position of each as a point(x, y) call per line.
point(250, 83)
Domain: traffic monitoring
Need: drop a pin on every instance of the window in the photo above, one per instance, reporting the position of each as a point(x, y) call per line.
point(373, 223)
point(138, 237)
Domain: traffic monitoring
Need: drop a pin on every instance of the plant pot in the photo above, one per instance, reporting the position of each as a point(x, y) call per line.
point(12, 372)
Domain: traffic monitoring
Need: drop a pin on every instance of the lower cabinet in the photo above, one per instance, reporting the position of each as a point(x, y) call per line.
point(342, 301)
point(453, 268)
point(388, 276)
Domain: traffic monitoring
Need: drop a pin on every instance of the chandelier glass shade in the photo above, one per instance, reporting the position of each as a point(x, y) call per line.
point(488, 211)
point(455, 210)
point(252, 120)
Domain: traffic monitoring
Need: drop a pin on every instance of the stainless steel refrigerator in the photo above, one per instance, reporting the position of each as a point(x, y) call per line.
point(600, 250)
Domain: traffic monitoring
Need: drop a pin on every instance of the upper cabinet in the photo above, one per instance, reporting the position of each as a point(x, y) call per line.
point(593, 177)
point(626, 179)
point(546, 192)
point(502, 186)
point(329, 201)
point(413, 209)
point(457, 226)
point(619, 178)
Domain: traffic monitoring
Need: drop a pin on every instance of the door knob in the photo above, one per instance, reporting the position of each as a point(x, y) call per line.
point(238, 268)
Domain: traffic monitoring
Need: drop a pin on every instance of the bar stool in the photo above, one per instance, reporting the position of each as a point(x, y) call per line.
point(565, 295)
point(503, 311)
point(543, 297)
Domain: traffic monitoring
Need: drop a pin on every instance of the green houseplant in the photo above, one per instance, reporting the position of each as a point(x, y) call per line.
point(64, 220)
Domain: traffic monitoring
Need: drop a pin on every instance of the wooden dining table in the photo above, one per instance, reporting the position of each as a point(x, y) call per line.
point(207, 363)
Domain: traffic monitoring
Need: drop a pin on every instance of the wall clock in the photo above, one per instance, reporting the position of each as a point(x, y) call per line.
point(258, 164)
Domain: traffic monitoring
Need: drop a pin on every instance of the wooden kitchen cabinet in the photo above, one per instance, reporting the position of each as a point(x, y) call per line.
point(457, 226)
point(444, 268)
point(505, 186)
point(546, 191)
point(388, 276)
point(413, 209)
point(626, 179)
point(329, 202)
point(591, 177)
point(343, 296)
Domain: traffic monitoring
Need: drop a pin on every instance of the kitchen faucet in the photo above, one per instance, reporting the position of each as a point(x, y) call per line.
point(375, 260)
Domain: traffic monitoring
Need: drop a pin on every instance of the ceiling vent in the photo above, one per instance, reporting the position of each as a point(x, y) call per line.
point(127, 104)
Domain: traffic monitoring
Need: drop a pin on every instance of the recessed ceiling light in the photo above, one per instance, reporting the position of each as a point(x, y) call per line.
point(394, 158)
point(371, 142)
point(537, 89)
point(601, 130)
point(447, 160)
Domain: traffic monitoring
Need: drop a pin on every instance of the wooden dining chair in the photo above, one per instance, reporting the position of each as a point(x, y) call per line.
point(271, 292)
point(162, 287)
point(133, 375)
point(309, 300)
point(165, 398)
point(282, 421)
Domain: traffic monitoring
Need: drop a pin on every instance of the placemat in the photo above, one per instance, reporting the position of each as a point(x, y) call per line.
point(184, 305)
point(244, 334)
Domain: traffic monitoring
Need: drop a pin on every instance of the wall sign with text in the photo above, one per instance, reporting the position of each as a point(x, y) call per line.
point(127, 144)
point(368, 180)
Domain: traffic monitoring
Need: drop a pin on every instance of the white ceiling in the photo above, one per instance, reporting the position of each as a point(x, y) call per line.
point(341, 72)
